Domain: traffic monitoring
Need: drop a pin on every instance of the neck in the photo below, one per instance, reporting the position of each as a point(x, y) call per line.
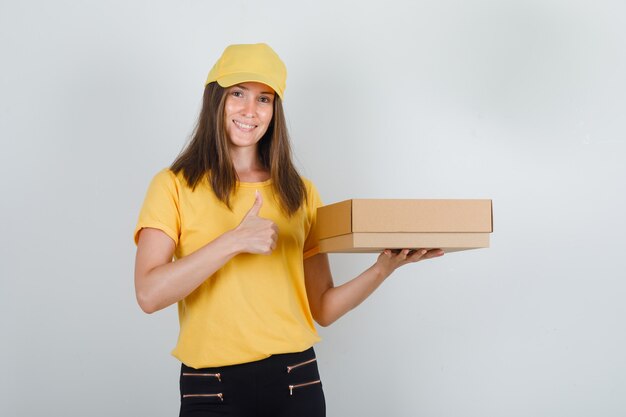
point(247, 164)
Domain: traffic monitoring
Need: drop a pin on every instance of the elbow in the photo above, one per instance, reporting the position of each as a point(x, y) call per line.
point(147, 295)
point(323, 312)
point(323, 323)
point(323, 320)
point(146, 303)
point(148, 309)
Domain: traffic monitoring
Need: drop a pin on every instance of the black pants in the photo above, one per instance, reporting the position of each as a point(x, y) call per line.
point(285, 385)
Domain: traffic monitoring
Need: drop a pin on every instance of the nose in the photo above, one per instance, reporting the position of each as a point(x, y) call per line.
point(249, 108)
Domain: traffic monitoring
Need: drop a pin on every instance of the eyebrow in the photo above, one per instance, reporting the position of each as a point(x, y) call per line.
point(246, 88)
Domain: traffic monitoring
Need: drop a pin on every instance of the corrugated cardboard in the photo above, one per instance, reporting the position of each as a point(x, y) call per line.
point(371, 225)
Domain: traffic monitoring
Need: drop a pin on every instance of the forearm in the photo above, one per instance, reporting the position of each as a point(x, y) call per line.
point(337, 301)
point(168, 283)
point(159, 282)
point(328, 302)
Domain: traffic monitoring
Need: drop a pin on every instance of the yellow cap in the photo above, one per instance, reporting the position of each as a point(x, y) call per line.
point(249, 62)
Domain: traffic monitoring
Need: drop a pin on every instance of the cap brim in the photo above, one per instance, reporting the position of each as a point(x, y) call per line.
point(242, 77)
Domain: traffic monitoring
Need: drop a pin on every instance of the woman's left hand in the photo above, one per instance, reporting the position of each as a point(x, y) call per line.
point(388, 261)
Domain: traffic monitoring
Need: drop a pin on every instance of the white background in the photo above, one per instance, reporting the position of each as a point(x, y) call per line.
point(519, 101)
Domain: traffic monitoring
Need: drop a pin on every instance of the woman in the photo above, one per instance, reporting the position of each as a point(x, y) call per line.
point(249, 282)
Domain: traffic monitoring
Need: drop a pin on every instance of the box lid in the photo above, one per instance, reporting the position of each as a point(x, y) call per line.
point(410, 216)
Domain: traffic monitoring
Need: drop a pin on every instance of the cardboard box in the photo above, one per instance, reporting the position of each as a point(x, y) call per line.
point(372, 225)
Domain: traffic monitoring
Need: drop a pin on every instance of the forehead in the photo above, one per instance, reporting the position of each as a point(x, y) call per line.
point(255, 87)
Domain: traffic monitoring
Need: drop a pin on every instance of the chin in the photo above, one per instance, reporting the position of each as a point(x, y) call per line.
point(243, 144)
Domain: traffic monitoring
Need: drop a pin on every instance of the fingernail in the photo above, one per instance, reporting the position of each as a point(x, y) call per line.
point(423, 251)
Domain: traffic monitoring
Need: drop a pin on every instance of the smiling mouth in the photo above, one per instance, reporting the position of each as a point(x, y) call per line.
point(243, 125)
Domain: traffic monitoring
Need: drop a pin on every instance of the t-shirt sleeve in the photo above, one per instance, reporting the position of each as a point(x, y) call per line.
point(160, 208)
point(311, 244)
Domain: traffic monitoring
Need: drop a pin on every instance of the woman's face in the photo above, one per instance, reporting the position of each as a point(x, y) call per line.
point(248, 111)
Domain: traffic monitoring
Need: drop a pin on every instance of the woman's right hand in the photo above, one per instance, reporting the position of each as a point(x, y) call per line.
point(159, 282)
point(254, 233)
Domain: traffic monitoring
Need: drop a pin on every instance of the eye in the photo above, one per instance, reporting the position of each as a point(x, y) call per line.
point(265, 99)
point(237, 93)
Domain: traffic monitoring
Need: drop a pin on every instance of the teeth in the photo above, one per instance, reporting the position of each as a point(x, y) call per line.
point(243, 125)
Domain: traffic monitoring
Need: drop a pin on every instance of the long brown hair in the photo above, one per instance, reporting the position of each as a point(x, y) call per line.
point(207, 155)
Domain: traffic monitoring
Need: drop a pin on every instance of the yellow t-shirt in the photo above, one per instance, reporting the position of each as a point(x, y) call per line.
point(255, 305)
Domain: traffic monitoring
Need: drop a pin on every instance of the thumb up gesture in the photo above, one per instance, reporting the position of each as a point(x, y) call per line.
point(256, 234)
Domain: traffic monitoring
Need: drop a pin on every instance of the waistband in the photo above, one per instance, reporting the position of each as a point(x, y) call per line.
point(280, 359)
